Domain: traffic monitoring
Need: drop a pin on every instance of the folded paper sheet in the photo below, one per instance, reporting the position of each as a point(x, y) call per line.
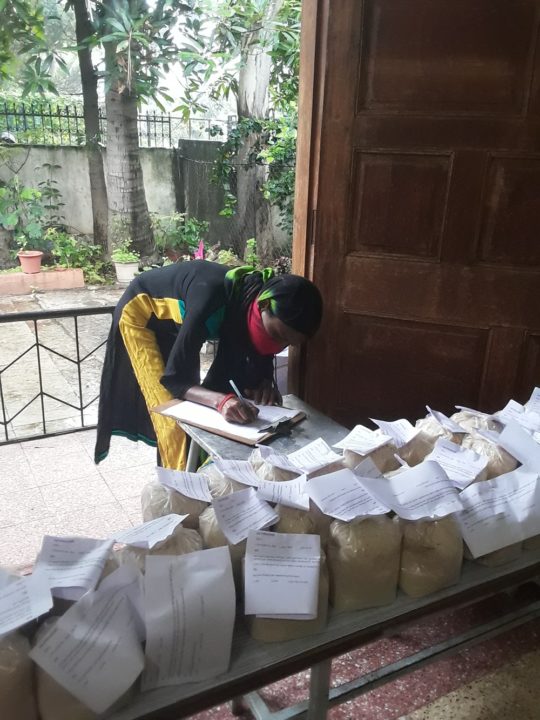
point(291, 493)
point(401, 431)
point(362, 440)
point(446, 422)
point(72, 565)
point(282, 575)
point(313, 456)
point(240, 512)
point(423, 491)
point(150, 533)
point(23, 599)
point(341, 495)
point(460, 464)
point(240, 470)
point(501, 511)
point(192, 485)
point(519, 443)
point(190, 607)
point(93, 650)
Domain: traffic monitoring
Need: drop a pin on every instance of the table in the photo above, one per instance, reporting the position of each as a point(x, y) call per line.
point(314, 426)
point(255, 664)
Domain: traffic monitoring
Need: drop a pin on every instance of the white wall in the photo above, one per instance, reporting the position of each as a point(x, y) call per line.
point(73, 180)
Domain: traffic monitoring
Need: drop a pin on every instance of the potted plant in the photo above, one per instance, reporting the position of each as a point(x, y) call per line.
point(126, 262)
point(29, 256)
point(176, 235)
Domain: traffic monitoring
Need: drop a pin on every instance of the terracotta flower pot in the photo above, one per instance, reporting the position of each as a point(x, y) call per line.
point(30, 261)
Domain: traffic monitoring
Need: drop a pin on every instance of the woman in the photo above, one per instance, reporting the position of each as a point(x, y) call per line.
point(157, 333)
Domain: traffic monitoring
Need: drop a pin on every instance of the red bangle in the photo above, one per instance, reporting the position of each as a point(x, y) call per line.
point(225, 400)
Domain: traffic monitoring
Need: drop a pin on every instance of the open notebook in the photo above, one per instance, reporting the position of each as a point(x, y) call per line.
point(271, 419)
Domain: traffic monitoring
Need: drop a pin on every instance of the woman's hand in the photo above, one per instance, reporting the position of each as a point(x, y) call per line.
point(266, 394)
point(234, 410)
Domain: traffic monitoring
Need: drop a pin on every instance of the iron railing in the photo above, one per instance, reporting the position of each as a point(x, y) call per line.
point(41, 348)
point(41, 123)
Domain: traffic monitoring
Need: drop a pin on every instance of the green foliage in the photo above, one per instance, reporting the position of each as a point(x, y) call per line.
point(72, 252)
point(124, 253)
point(274, 145)
point(22, 210)
point(250, 254)
point(177, 232)
point(51, 195)
point(24, 47)
point(139, 45)
point(228, 257)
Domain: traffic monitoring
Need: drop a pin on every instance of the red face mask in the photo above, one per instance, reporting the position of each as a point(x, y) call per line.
point(264, 344)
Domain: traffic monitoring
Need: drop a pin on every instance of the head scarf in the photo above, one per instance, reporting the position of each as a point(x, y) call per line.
point(293, 299)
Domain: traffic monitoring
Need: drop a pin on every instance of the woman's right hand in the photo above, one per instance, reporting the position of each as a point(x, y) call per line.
point(236, 411)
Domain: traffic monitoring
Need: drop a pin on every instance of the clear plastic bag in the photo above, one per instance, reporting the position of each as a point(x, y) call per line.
point(363, 562)
point(471, 421)
point(219, 484)
point(181, 542)
point(383, 457)
point(431, 556)
point(212, 537)
point(17, 699)
point(158, 500)
point(499, 461)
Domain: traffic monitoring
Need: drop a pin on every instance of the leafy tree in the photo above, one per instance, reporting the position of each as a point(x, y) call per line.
point(250, 49)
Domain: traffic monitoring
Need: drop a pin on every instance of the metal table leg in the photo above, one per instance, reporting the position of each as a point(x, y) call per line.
point(319, 688)
point(193, 457)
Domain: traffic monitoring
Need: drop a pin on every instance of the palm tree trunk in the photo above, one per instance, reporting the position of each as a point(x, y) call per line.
point(128, 210)
point(98, 188)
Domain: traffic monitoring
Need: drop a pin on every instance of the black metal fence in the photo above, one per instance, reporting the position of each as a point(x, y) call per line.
point(38, 123)
point(30, 392)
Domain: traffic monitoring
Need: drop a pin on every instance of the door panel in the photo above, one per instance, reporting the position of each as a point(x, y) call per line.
point(421, 222)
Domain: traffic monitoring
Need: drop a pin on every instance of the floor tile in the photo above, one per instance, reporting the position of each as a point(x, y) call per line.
point(128, 482)
point(79, 494)
point(55, 466)
point(20, 505)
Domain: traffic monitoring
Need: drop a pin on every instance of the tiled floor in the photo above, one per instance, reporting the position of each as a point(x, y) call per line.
point(52, 486)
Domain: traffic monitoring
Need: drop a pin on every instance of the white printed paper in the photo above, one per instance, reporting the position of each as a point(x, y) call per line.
point(152, 532)
point(210, 419)
point(23, 599)
point(93, 650)
point(519, 443)
point(282, 575)
point(362, 440)
point(533, 403)
point(6, 578)
point(500, 512)
point(514, 412)
point(292, 493)
point(401, 431)
point(423, 491)
point(460, 464)
point(341, 495)
point(128, 579)
point(73, 565)
point(192, 485)
point(274, 414)
point(190, 607)
point(314, 456)
point(240, 470)
point(240, 512)
point(277, 459)
point(471, 411)
point(446, 422)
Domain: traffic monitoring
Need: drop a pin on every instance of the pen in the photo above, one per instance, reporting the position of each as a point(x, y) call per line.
point(238, 393)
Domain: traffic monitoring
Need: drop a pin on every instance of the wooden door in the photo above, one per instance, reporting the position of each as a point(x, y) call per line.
point(418, 204)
